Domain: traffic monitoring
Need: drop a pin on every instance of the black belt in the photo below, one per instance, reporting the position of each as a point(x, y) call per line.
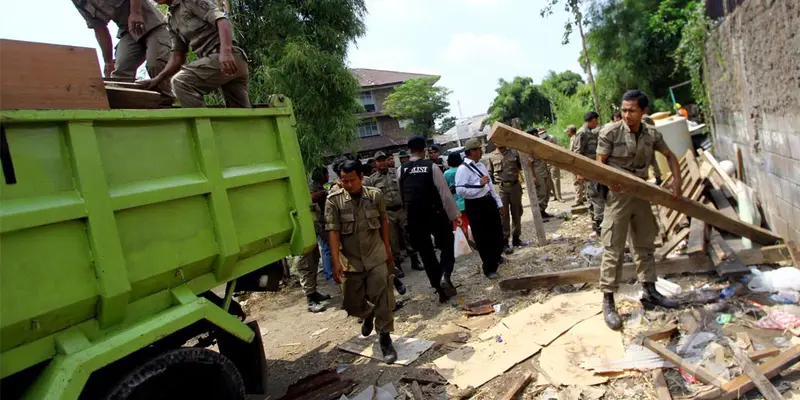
point(394, 208)
point(510, 183)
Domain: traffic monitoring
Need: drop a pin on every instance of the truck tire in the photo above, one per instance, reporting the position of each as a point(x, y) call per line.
point(185, 373)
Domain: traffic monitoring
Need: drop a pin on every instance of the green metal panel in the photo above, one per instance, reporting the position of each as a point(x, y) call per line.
point(114, 210)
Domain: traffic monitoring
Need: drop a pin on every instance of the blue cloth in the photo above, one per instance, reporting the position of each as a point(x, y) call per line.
point(327, 263)
point(450, 177)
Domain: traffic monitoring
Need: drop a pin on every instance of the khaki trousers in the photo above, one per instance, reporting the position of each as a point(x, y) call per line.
point(307, 269)
point(204, 75)
point(153, 49)
point(580, 192)
point(395, 233)
point(597, 203)
point(370, 292)
point(622, 211)
point(542, 177)
point(512, 204)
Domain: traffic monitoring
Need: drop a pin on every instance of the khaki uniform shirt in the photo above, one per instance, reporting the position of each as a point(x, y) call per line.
point(358, 220)
point(630, 152)
point(316, 211)
point(98, 13)
point(193, 24)
point(387, 183)
point(505, 166)
point(586, 142)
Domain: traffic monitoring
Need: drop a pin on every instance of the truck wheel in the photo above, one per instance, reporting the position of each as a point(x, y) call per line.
point(185, 373)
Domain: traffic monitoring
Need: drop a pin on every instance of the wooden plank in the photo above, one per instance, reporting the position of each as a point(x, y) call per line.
point(607, 175)
point(517, 386)
point(664, 251)
point(762, 383)
point(722, 203)
point(742, 384)
point(727, 182)
point(770, 352)
point(39, 76)
point(698, 236)
point(698, 371)
point(692, 192)
point(669, 266)
point(765, 255)
point(794, 252)
point(530, 188)
point(123, 97)
point(662, 390)
point(724, 258)
point(416, 391)
point(691, 161)
point(659, 334)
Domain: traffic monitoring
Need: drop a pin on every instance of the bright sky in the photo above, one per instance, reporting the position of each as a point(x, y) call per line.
point(470, 43)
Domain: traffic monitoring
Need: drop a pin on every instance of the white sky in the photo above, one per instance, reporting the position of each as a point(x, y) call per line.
point(470, 43)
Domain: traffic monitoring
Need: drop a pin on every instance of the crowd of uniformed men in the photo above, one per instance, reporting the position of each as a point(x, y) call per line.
point(375, 212)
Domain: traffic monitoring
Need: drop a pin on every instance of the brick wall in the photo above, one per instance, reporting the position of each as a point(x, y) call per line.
point(754, 84)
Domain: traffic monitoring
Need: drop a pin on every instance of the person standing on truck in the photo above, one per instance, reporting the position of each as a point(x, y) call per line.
point(586, 145)
point(629, 146)
point(201, 26)
point(142, 34)
point(504, 165)
point(356, 219)
point(431, 211)
point(308, 264)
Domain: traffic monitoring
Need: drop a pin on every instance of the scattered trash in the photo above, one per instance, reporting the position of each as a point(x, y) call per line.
point(341, 368)
point(500, 309)
point(723, 319)
point(785, 278)
point(499, 339)
point(549, 394)
point(704, 296)
point(591, 251)
point(785, 297)
point(781, 341)
point(717, 307)
point(460, 244)
point(635, 320)
point(480, 307)
point(667, 288)
point(687, 377)
point(556, 236)
point(728, 292)
point(319, 332)
point(777, 319)
point(385, 392)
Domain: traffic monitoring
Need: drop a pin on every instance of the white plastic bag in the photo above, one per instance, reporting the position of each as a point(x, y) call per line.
point(786, 278)
point(461, 246)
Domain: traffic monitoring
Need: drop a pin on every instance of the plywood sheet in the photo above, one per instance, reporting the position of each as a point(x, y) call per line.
point(408, 349)
point(39, 76)
point(588, 339)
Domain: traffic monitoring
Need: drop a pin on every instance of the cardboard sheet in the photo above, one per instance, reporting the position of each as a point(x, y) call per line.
point(408, 349)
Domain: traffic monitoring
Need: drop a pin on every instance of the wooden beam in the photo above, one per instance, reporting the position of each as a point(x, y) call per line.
point(664, 251)
point(698, 236)
point(696, 370)
point(742, 384)
point(770, 352)
point(762, 383)
point(670, 266)
point(126, 97)
point(727, 182)
point(722, 203)
point(765, 255)
point(530, 188)
point(658, 334)
point(39, 76)
point(517, 386)
point(607, 175)
point(724, 258)
point(662, 390)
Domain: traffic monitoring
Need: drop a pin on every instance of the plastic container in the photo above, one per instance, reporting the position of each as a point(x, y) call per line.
point(675, 131)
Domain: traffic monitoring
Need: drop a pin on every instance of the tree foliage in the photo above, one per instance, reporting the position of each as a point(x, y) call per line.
point(420, 102)
point(521, 99)
point(566, 82)
point(298, 48)
point(446, 124)
point(691, 52)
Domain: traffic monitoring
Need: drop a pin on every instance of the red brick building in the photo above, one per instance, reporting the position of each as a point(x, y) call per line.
point(377, 130)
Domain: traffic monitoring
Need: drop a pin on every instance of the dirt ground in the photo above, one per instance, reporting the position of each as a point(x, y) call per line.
point(299, 343)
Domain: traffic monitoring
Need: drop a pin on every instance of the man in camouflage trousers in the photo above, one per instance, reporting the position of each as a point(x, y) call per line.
point(585, 144)
point(356, 219)
point(629, 145)
point(308, 264)
point(201, 26)
point(541, 175)
point(142, 34)
point(504, 165)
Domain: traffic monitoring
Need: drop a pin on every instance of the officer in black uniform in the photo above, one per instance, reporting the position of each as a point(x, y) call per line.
point(431, 210)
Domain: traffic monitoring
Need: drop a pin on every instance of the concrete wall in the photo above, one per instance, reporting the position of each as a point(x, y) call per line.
point(754, 80)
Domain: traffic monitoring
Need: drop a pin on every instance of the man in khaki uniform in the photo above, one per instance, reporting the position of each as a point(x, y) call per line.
point(142, 34)
point(541, 174)
point(585, 144)
point(504, 165)
point(203, 27)
point(356, 218)
point(308, 264)
point(554, 180)
point(629, 145)
point(580, 188)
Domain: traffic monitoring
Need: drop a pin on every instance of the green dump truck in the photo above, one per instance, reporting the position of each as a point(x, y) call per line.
point(114, 227)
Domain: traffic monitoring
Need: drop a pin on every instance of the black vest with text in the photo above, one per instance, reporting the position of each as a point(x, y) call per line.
point(420, 196)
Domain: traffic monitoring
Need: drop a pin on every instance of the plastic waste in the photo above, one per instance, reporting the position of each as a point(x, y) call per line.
point(461, 245)
point(732, 290)
point(785, 297)
point(667, 288)
point(591, 251)
point(723, 319)
point(785, 278)
point(500, 309)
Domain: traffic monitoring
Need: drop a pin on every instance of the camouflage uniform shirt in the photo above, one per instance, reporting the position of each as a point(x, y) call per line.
point(193, 24)
point(358, 221)
point(97, 13)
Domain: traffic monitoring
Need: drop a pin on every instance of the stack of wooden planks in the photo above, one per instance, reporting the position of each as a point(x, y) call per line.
point(123, 94)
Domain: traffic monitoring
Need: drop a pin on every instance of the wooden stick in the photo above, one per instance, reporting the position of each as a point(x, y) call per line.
point(664, 251)
point(662, 390)
point(770, 352)
point(517, 386)
point(698, 234)
point(762, 383)
point(610, 176)
point(417, 391)
point(701, 373)
point(742, 384)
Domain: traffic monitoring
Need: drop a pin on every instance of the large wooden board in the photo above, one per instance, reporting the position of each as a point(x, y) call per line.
point(599, 172)
point(39, 76)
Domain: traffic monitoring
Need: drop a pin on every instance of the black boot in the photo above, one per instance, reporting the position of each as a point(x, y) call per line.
point(610, 312)
point(447, 286)
point(506, 248)
point(318, 297)
point(367, 325)
point(314, 306)
point(545, 215)
point(389, 353)
point(517, 242)
point(398, 285)
point(651, 298)
point(415, 264)
point(398, 270)
point(444, 295)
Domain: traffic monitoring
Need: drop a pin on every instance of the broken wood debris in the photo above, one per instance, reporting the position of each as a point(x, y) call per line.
point(762, 383)
point(660, 384)
point(696, 370)
point(326, 384)
point(517, 386)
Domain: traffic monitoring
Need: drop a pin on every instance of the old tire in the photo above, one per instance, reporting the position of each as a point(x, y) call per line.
point(185, 373)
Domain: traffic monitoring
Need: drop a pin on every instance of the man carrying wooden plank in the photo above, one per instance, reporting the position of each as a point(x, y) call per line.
point(142, 34)
point(203, 27)
point(629, 145)
point(586, 145)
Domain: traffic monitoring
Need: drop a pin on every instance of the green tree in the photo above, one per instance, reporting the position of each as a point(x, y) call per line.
point(298, 48)
point(573, 7)
point(446, 124)
point(521, 99)
point(420, 102)
point(566, 82)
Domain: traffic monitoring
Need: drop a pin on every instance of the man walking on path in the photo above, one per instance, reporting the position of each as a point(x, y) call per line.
point(629, 145)
point(431, 211)
point(356, 219)
point(483, 206)
point(504, 166)
point(586, 145)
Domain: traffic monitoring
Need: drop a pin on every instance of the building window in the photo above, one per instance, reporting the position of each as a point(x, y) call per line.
point(368, 129)
point(367, 101)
